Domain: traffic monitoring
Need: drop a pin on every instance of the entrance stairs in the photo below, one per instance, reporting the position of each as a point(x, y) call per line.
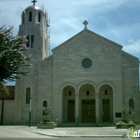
point(86, 125)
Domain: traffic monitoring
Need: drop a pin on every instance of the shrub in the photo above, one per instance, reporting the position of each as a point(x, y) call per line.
point(47, 121)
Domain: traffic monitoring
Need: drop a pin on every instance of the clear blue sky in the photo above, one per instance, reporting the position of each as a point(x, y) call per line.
point(117, 20)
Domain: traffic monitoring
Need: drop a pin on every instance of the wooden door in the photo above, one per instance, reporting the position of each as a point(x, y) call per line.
point(92, 113)
point(85, 113)
point(88, 110)
point(71, 111)
point(106, 110)
point(0, 111)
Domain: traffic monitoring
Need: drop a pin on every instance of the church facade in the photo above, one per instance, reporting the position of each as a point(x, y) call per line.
point(87, 79)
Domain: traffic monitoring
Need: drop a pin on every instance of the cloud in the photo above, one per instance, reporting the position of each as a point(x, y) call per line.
point(117, 20)
point(133, 47)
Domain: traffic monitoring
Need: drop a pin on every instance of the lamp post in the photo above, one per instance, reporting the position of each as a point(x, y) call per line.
point(132, 107)
point(30, 112)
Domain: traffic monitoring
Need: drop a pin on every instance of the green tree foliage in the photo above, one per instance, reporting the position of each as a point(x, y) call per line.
point(47, 110)
point(125, 111)
point(12, 58)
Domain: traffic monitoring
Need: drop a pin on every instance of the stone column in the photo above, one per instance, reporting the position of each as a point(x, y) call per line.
point(97, 108)
point(77, 108)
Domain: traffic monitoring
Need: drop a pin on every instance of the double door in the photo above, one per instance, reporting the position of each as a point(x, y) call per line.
point(106, 110)
point(88, 110)
point(71, 111)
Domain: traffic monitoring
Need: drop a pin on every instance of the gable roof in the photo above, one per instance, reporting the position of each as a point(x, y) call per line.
point(90, 32)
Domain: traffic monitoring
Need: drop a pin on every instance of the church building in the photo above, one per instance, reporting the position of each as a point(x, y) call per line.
point(87, 79)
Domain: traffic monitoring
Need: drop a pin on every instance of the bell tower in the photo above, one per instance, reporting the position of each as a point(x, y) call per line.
point(34, 25)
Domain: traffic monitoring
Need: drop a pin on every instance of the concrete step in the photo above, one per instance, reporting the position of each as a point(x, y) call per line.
point(86, 125)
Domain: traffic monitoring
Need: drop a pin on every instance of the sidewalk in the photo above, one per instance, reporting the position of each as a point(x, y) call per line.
point(88, 132)
point(66, 132)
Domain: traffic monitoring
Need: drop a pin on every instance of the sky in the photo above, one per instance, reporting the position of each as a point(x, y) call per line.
point(116, 20)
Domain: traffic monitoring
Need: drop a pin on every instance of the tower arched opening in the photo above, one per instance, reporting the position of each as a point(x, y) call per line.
point(39, 17)
point(30, 16)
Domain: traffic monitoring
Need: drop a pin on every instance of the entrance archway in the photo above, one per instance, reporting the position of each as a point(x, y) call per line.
point(87, 103)
point(106, 103)
point(68, 104)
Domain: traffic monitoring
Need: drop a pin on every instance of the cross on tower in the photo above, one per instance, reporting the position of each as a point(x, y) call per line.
point(34, 1)
point(85, 23)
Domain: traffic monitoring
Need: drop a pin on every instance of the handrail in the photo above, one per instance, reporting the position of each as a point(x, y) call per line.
point(97, 123)
point(76, 121)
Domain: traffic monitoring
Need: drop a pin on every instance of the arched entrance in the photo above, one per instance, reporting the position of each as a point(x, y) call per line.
point(87, 101)
point(106, 103)
point(68, 104)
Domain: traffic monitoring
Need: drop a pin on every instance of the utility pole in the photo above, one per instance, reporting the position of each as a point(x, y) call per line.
point(30, 111)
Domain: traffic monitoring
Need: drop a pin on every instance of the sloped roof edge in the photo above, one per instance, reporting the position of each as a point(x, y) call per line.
point(56, 48)
point(126, 53)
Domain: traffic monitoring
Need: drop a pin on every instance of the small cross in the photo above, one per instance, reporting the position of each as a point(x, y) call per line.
point(34, 1)
point(85, 23)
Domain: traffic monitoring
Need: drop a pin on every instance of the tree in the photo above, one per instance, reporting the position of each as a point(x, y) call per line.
point(47, 110)
point(12, 57)
point(125, 111)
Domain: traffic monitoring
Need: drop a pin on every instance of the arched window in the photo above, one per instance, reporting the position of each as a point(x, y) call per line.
point(28, 42)
point(32, 41)
point(30, 16)
point(105, 92)
point(69, 93)
point(45, 104)
point(39, 17)
point(131, 103)
point(23, 18)
point(28, 95)
point(45, 111)
point(87, 92)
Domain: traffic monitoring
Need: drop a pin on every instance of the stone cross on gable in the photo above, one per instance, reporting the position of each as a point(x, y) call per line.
point(34, 1)
point(85, 23)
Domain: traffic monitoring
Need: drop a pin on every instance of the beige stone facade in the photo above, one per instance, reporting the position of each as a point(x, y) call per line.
point(87, 79)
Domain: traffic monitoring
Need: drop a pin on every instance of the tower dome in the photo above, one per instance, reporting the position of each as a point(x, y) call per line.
point(33, 14)
point(33, 7)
